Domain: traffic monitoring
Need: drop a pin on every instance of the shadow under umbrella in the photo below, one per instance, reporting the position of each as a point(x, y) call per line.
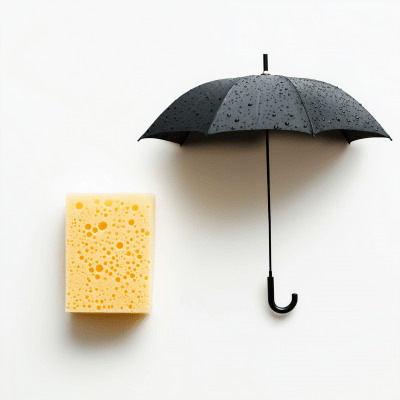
point(224, 173)
point(220, 182)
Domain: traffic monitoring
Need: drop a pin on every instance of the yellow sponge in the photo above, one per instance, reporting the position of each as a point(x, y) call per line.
point(109, 252)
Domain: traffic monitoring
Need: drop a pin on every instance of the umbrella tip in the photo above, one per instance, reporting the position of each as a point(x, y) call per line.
point(265, 59)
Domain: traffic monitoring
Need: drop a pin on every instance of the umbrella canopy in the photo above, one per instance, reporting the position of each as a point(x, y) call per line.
point(258, 102)
point(264, 102)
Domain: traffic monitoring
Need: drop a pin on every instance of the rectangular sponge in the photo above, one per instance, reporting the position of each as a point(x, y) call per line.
point(109, 253)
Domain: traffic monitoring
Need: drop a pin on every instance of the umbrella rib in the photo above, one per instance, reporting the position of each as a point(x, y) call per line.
point(258, 103)
point(218, 108)
point(302, 103)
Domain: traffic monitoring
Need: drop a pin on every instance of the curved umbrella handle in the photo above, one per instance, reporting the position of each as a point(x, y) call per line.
point(271, 298)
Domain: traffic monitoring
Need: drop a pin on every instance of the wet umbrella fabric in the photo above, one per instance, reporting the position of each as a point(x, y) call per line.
point(258, 102)
point(264, 102)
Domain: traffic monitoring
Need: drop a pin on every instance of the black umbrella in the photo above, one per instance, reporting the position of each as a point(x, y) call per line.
point(264, 102)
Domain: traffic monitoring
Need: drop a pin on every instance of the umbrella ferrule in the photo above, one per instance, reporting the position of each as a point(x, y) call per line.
point(265, 62)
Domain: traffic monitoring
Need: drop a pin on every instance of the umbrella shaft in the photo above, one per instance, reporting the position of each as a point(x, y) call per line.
point(269, 203)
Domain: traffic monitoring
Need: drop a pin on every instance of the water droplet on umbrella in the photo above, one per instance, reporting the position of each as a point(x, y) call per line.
point(275, 126)
point(273, 114)
point(228, 115)
point(338, 119)
point(237, 120)
point(250, 104)
point(286, 123)
point(305, 126)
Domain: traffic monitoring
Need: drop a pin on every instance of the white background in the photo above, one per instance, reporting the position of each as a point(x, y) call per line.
point(81, 81)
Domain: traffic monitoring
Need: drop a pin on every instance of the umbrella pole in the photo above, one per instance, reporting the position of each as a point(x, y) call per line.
point(269, 207)
point(271, 292)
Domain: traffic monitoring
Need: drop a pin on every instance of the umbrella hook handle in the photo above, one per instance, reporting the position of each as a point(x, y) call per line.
point(271, 298)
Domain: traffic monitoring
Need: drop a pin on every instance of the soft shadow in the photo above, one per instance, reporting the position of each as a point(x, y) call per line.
point(219, 183)
point(297, 159)
point(100, 328)
point(223, 177)
point(215, 180)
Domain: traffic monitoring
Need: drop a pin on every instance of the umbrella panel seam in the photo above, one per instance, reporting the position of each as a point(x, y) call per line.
point(302, 102)
point(227, 93)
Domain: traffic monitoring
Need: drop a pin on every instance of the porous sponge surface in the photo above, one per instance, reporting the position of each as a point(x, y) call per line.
point(109, 252)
